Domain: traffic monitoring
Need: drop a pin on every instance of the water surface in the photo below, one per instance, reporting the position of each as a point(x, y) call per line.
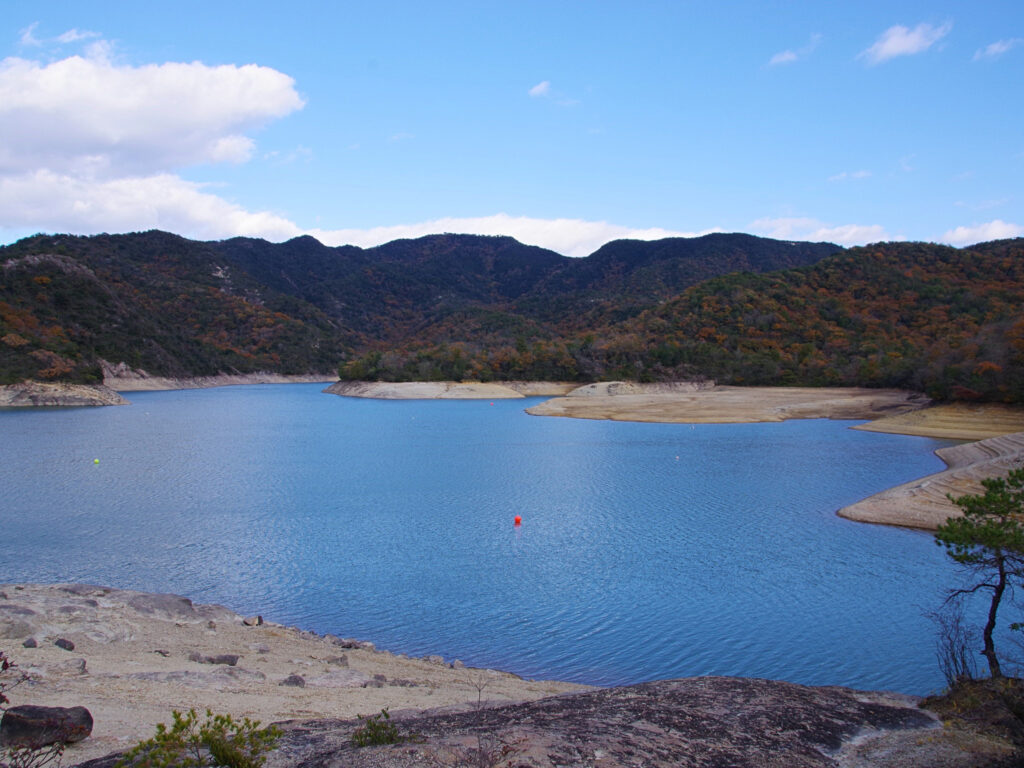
point(646, 550)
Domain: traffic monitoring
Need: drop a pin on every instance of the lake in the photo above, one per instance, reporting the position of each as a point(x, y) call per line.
point(645, 551)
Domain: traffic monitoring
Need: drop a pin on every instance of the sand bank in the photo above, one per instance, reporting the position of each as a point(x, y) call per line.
point(155, 383)
point(40, 394)
point(448, 390)
point(923, 503)
point(131, 665)
point(955, 421)
point(695, 403)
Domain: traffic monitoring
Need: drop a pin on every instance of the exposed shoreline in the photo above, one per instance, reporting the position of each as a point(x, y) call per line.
point(161, 383)
point(448, 390)
point(137, 656)
point(923, 503)
point(133, 662)
point(711, 404)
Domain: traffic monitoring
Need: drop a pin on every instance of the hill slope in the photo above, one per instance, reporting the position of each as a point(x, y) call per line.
point(177, 307)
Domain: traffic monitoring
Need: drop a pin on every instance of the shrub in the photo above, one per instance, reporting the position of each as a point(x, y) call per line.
point(219, 741)
point(376, 729)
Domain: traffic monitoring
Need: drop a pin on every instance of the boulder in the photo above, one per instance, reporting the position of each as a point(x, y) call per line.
point(294, 681)
point(32, 726)
point(62, 642)
point(222, 658)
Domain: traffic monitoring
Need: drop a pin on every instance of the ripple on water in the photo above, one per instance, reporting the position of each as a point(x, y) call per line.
point(392, 521)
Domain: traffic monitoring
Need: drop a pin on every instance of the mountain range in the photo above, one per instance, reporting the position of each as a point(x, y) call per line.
point(734, 307)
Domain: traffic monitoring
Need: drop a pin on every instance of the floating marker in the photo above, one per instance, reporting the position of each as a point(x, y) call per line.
point(95, 461)
point(518, 520)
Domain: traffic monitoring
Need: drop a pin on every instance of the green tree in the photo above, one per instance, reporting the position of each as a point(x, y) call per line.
point(988, 542)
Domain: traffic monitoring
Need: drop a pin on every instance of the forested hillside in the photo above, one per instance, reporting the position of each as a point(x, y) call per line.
point(735, 308)
point(154, 301)
point(914, 315)
point(178, 307)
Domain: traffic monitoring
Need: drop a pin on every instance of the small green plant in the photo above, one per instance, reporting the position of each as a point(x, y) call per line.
point(376, 729)
point(219, 741)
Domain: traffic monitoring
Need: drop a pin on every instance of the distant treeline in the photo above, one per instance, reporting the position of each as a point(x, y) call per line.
point(946, 321)
point(735, 308)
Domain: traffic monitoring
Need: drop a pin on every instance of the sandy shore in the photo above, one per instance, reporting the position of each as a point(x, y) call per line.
point(955, 421)
point(137, 383)
point(923, 503)
point(39, 394)
point(448, 390)
point(131, 665)
point(727, 405)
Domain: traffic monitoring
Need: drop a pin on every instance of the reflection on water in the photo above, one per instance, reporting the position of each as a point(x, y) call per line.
point(646, 550)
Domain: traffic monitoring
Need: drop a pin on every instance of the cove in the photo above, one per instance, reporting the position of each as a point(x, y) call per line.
point(646, 551)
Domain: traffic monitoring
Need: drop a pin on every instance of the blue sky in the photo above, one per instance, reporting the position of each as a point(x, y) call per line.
point(564, 124)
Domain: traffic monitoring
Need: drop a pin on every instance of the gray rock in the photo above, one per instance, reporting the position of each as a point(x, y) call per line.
point(33, 726)
point(435, 659)
point(338, 661)
point(16, 610)
point(166, 606)
point(294, 681)
point(30, 643)
point(457, 665)
point(339, 678)
point(15, 630)
point(85, 590)
point(253, 621)
point(63, 642)
point(230, 659)
point(693, 723)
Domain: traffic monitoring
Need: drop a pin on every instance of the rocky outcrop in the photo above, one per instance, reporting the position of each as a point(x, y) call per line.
point(39, 394)
point(707, 722)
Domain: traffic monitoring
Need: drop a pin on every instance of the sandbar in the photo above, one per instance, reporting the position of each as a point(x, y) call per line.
point(697, 404)
point(448, 390)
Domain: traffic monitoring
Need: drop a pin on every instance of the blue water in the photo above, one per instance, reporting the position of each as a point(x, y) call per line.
point(646, 550)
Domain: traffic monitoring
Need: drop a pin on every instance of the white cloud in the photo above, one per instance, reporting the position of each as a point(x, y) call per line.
point(902, 41)
point(543, 88)
point(850, 175)
point(783, 57)
point(980, 233)
point(27, 36)
point(571, 237)
point(998, 48)
point(789, 56)
point(48, 201)
point(802, 228)
point(74, 35)
point(89, 116)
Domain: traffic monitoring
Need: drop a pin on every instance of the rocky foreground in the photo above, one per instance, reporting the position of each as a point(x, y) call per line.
point(132, 657)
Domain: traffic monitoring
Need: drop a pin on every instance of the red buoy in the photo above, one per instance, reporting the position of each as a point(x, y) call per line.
point(518, 520)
